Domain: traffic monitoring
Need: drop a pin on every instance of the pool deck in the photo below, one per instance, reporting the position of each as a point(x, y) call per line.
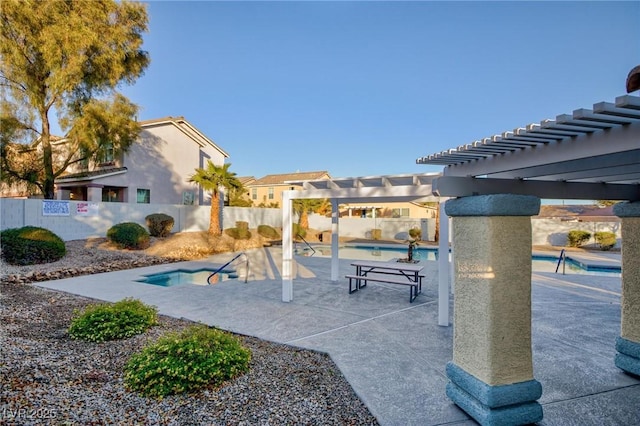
point(391, 351)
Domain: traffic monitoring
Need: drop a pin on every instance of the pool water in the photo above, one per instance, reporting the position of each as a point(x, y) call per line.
point(538, 263)
point(371, 253)
point(182, 276)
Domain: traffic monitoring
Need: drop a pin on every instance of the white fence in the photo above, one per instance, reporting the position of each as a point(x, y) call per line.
point(73, 220)
point(77, 220)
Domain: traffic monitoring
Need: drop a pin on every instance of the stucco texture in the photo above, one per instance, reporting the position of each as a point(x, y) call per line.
point(492, 314)
point(630, 301)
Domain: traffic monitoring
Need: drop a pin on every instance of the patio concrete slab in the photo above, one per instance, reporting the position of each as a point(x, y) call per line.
point(391, 351)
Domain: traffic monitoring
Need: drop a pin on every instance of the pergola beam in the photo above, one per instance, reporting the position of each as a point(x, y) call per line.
point(455, 186)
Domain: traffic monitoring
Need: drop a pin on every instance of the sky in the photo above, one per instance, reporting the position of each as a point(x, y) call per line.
point(365, 88)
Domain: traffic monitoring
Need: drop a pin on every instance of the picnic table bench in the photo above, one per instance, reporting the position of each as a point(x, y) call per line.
point(390, 272)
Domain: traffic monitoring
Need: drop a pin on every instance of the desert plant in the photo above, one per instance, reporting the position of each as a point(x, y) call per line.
point(268, 231)
point(103, 321)
point(129, 235)
point(606, 240)
point(196, 358)
point(576, 238)
point(159, 224)
point(31, 245)
point(243, 230)
point(238, 233)
point(415, 233)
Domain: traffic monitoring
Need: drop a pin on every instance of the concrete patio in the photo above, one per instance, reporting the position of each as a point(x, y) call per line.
point(391, 351)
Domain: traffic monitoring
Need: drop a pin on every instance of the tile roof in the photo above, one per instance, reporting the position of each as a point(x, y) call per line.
point(88, 175)
point(280, 179)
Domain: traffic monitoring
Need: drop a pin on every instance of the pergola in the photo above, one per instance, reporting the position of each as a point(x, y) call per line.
point(496, 184)
point(372, 189)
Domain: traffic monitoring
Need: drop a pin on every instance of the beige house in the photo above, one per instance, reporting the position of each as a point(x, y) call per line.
point(396, 210)
point(267, 191)
point(155, 170)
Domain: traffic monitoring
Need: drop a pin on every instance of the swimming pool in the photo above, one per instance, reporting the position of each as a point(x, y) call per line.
point(183, 276)
point(386, 253)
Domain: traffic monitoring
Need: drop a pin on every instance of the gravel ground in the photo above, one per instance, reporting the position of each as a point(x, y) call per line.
point(48, 378)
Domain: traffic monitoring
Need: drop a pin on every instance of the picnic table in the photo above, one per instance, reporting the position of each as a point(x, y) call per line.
point(391, 272)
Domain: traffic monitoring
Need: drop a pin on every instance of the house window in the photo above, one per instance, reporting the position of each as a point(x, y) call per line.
point(254, 193)
point(188, 198)
point(106, 154)
point(111, 194)
point(271, 193)
point(144, 196)
point(400, 212)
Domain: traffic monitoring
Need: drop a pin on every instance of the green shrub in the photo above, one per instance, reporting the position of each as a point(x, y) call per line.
point(576, 238)
point(102, 322)
point(243, 230)
point(30, 245)
point(238, 234)
point(159, 224)
point(197, 358)
point(129, 235)
point(606, 240)
point(415, 233)
point(268, 231)
point(298, 231)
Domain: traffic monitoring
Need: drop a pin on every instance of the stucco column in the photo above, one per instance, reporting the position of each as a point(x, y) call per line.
point(94, 193)
point(491, 375)
point(628, 344)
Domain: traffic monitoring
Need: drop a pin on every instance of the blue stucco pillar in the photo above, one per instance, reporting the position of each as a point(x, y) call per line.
point(628, 344)
point(491, 375)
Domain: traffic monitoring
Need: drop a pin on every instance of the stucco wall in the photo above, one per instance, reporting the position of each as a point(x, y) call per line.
point(15, 213)
point(554, 231)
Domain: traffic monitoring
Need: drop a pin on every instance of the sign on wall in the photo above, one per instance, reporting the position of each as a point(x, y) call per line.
point(55, 208)
point(87, 209)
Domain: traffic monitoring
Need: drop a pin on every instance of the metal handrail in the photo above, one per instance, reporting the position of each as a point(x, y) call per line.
point(246, 276)
point(308, 245)
point(563, 259)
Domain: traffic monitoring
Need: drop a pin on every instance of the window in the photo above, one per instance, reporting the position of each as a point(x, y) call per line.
point(144, 196)
point(112, 194)
point(254, 193)
point(271, 193)
point(188, 198)
point(106, 154)
point(400, 212)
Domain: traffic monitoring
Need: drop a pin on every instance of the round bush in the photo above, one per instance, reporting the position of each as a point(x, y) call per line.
point(31, 245)
point(576, 238)
point(129, 235)
point(268, 231)
point(159, 224)
point(197, 358)
point(415, 233)
point(606, 240)
point(238, 233)
point(121, 320)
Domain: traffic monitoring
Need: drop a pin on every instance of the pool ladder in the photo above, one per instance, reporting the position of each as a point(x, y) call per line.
point(563, 259)
point(246, 275)
point(308, 245)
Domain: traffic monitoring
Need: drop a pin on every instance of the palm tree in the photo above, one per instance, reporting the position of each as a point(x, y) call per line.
point(212, 178)
point(305, 206)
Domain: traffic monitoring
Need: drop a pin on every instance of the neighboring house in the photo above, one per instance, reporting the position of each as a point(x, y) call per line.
point(396, 210)
point(578, 213)
point(156, 169)
point(246, 181)
point(267, 191)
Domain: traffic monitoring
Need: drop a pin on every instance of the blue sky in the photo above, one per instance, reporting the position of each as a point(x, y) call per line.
point(365, 88)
